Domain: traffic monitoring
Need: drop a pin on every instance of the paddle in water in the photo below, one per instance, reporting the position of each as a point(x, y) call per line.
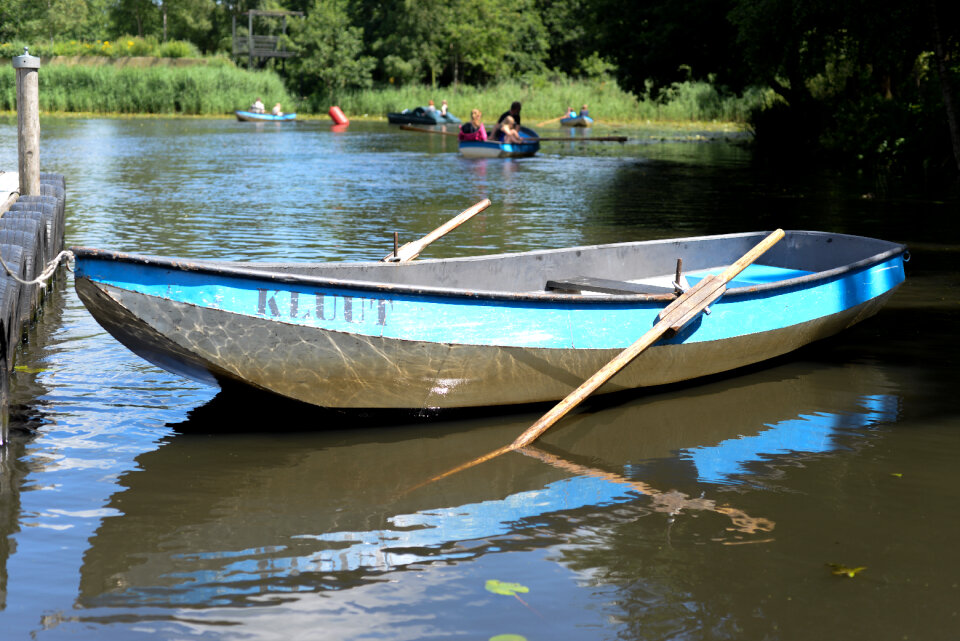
point(677, 315)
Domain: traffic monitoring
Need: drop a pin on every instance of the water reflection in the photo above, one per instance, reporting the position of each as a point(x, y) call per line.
point(213, 520)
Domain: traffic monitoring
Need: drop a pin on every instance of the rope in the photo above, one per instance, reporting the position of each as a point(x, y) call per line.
point(47, 272)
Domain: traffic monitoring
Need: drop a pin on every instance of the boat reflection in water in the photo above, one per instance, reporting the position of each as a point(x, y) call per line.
point(219, 519)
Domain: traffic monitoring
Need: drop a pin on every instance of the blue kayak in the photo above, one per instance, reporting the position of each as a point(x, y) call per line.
point(247, 116)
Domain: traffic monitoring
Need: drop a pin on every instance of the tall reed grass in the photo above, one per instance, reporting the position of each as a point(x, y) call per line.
point(222, 88)
point(195, 90)
point(544, 99)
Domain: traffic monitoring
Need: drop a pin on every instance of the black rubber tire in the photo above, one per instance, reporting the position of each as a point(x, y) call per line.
point(32, 223)
point(30, 295)
point(10, 301)
point(46, 207)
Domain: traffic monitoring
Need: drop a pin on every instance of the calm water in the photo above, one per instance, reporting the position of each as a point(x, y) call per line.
point(137, 504)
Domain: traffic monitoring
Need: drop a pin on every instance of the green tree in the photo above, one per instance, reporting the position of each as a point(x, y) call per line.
point(330, 51)
point(659, 42)
point(137, 17)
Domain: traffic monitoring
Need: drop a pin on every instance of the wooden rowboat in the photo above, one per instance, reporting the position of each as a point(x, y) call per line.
point(250, 116)
point(495, 149)
point(477, 331)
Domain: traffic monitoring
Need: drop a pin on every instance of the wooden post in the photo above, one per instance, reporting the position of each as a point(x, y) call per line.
point(28, 122)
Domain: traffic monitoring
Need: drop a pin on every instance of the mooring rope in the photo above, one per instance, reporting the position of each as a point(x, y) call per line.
point(47, 272)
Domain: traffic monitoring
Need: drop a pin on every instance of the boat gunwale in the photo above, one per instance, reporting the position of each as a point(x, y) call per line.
point(226, 269)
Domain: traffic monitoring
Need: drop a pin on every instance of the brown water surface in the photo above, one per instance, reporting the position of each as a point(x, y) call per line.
point(137, 504)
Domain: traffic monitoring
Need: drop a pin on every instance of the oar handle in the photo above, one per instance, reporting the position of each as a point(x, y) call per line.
point(411, 250)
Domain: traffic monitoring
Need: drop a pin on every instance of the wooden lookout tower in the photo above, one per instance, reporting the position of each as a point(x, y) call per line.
point(261, 47)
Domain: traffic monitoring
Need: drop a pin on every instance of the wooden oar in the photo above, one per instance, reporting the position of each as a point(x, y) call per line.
point(547, 122)
point(579, 139)
point(687, 307)
point(411, 250)
point(428, 131)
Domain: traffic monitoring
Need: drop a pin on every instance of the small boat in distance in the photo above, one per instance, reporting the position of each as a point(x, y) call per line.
point(250, 116)
point(493, 149)
point(576, 121)
point(421, 116)
point(491, 330)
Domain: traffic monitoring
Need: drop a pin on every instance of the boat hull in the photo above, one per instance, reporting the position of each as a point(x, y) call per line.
point(494, 149)
point(421, 117)
point(344, 344)
point(343, 370)
point(580, 121)
point(249, 116)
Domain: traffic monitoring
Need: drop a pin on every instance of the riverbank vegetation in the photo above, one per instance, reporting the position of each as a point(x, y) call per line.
point(871, 85)
point(220, 88)
point(106, 89)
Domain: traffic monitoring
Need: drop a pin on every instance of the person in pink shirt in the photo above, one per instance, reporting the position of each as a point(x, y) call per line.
point(473, 130)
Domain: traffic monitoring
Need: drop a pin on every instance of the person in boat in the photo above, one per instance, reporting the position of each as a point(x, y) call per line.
point(473, 130)
point(510, 131)
point(443, 108)
point(570, 113)
point(257, 106)
point(584, 112)
point(513, 112)
point(276, 111)
point(431, 107)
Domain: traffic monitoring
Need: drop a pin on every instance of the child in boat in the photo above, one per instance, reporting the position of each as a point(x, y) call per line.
point(443, 108)
point(473, 130)
point(276, 110)
point(509, 131)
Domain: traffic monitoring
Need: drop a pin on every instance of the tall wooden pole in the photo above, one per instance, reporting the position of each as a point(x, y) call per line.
point(28, 122)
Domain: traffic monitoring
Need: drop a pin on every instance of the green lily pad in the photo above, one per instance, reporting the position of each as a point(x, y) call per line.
point(841, 570)
point(29, 370)
point(505, 588)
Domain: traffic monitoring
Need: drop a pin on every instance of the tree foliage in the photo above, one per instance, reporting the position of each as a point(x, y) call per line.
point(876, 80)
point(331, 50)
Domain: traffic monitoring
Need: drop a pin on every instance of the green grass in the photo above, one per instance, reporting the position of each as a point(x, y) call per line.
point(544, 99)
point(221, 88)
point(196, 90)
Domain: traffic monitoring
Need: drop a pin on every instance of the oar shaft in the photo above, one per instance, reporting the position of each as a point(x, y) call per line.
point(440, 132)
point(682, 311)
point(590, 385)
point(411, 250)
point(584, 139)
point(747, 259)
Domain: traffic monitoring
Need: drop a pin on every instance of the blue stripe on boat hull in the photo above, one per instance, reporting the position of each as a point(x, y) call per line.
point(339, 369)
point(578, 324)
